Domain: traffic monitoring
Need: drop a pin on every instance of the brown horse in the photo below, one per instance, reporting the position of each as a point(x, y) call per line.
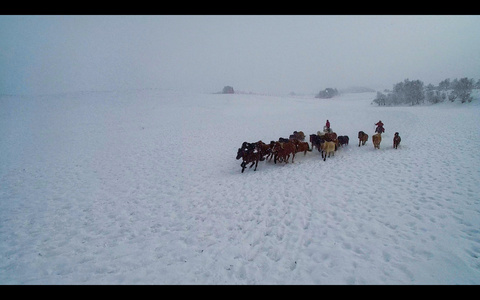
point(396, 140)
point(377, 139)
point(301, 146)
point(362, 138)
point(282, 151)
point(299, 135)
point(265, 150)
point(330, 136)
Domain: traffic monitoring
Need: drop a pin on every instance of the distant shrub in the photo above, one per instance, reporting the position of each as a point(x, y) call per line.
point(228, 90)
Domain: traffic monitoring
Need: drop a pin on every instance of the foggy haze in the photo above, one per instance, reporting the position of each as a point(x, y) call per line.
point(253, 53)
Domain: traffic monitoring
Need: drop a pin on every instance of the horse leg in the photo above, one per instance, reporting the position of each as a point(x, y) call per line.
point(256, 164)
point(243, 166)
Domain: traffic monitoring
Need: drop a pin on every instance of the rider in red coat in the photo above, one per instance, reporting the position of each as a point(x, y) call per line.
point(379, 128)
point(327, 128)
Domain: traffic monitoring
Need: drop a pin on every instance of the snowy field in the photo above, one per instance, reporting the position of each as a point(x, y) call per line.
point(142, 187)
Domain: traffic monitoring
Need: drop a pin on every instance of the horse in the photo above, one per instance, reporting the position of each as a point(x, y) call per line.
point(343, 140)
point(377, 138)
point(330, 136)
point(396, 140)
point(272, 153)
point(265, 150)
point(248, 146)
point(317, 141)
point(328, 148)
point(282, 151)
point(362, 138)
point(301, 146)
point(298, 135)
point(248, 155)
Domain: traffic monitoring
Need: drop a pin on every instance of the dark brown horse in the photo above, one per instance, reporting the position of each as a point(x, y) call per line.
point(362, 138)
point(249, 154)
point(396, 140)
point(343, 140)
point(317, 141)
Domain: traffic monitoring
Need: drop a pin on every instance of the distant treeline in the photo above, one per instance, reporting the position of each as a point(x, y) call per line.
point(414, 92)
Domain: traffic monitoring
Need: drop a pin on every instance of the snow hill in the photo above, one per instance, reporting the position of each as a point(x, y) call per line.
point(142, 187)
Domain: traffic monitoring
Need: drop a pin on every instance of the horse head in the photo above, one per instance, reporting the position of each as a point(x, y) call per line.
point(239, 153)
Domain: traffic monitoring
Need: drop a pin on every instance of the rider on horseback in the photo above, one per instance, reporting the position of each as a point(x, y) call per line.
point(379, 128)
point(327, 128)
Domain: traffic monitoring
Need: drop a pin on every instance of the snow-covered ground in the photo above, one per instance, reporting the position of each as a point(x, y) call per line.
point(142, 187)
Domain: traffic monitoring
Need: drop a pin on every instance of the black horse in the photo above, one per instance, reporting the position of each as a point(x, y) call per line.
point(317, 141)
point(343, 140)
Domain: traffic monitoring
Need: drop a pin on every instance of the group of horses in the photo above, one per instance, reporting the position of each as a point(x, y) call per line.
point(281, 150)
point(326, 143)
point(377, 139)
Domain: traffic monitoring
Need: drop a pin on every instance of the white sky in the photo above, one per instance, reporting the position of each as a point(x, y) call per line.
point(266, 54)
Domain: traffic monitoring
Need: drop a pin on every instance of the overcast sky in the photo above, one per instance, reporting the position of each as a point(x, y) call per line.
point(253, 53)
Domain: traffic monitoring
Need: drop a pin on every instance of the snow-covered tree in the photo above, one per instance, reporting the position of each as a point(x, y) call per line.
point(462, 89)
point(444, 85)
point(409, 92)
point(434, 96)
point(381, 99)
